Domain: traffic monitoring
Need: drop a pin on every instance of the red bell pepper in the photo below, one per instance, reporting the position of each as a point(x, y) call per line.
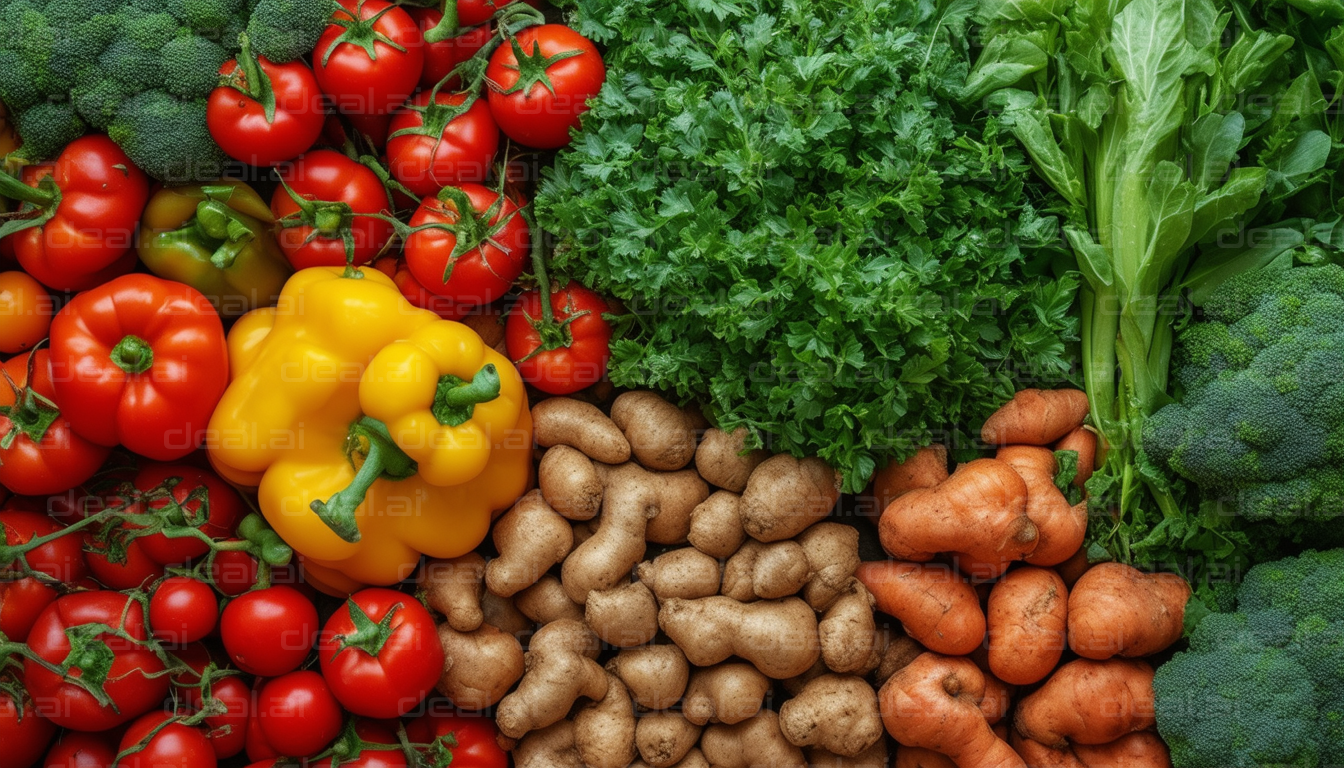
point(140, 362)
point(76, 228)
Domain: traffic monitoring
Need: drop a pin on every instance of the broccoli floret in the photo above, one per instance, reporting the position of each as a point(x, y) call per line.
point(1264, 685)
point(134, 67)
point(167, 137)
point(284, 30)
point(25, 30)
point(191, 66)
point(98, 99)
point(151, 31)
point(205, 15)
point(1261, 428)
point(47, 128)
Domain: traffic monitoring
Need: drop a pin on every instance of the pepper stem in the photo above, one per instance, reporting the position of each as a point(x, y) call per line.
point(16, 190)
point(133, 354)
point(219, 222)
point(382, 459)
point(455, 399)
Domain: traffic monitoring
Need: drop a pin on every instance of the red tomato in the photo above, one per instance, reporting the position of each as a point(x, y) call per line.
point(132, 681)
point(473, 12)
point(182, 610)
point(496, 246)
point(441, 58)
point(174, 746)
point(46, 456)
point(541, 83)
point(269, 632)
point(377, 672)
point(140, 361)
point(24, 735)
point(417, 294)
point(233, 572)
point(372, 127)
point(23, 600)
point(197, 491)
point(26, 309)
point(576, 360)
point(296, 715)
point(82, 750)
point(134, 571)
point(373, 732)
point(430, 147)
point(102, 195)
point(364, 82)
point(237, 121)
point(475, 735)
point(334, 182)
point(227, 732)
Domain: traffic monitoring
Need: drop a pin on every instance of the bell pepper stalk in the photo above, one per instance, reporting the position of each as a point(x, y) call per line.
point(360, 32)
point(216, 238)
point(251, 80)
point(39, 203)
point(315, 422)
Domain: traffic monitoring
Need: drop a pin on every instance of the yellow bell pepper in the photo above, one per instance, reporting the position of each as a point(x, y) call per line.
point(330, 477)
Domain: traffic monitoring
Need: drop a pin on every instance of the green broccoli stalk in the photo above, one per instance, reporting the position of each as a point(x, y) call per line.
point(1265, 685)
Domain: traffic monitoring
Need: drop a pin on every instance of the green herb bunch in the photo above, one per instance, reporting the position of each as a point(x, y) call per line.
point(810, 237)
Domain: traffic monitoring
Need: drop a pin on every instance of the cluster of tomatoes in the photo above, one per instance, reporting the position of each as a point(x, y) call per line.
point(421, 126)
point(114, 649)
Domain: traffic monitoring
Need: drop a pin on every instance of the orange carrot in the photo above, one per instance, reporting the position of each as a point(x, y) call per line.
point(1027, 625)
point(927, 468)
point(1143, 749)
point(1084, 441)
point(934, 703)
point(937, 607)
point(1036, 417)
point(1118, 610)
point(1060, 527)
point(1089, 702)
point(979, 511)
point(1072, 570)
point(919, 757)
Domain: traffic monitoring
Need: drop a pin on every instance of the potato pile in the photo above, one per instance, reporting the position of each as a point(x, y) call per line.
point(991, 579)
point(700, 572)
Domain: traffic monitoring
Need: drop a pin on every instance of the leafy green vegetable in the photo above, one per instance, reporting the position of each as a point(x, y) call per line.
point(811, 239)
point(1178, 131)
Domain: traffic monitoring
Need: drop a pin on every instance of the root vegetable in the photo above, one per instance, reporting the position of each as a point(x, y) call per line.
point(566, 421)
point(716, 525)
point(918, 757)
point(927, 468)
point(679, 493)
point(794, 685)
point(726, 693)
point(479, 666)
point(656, 675)
point(1089, 702)
point(934, 703)
point(997, 699)
point(898, 650)
point(664, 738)
point(847, 632)
point(560, 669)
point(765, 571)
point(1060, 527)
point(1118, 610)
point(606, 559)
point(873, 757)
point(550, 747)
point(778, 636)
point(1084, 441)
point(454, 588)
point(604, 730)
point(980, 511)
point(1143, 749)
point(625, 616)
point(937, 607)
point(546, 601)
point(570, 483)
point(835, 712)
point(1036, 417)
point(785, 495)
point(752, 743)
point(530, 538)
point(1027, 619)
point(501, 613)
point(661, 435)
point(687, 573)
point(1072, 570)
point(832, 551)
point(723, 460)
point(693, 759)
point(583, 531)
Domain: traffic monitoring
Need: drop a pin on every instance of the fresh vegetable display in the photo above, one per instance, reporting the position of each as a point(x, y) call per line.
point(723, 384)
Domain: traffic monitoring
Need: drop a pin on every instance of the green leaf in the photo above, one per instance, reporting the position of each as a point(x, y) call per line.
point(1297, 164)
point(1029, 123)
point(1093, 260)
point(1251, 55)
point(1005, 60)
point(1235, 197)
point(1213, 141)
point(1171, 207)
point(1324, 10)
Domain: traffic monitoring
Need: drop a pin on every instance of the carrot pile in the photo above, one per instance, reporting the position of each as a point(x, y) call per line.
point(990, 577)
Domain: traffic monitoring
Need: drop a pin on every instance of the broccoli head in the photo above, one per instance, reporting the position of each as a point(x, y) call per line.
point(1264, 685)
point(167, 137)
point(47, 128)
point(284, 30)
point(1260, 428)
point(205, 15)
point(190, 66)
